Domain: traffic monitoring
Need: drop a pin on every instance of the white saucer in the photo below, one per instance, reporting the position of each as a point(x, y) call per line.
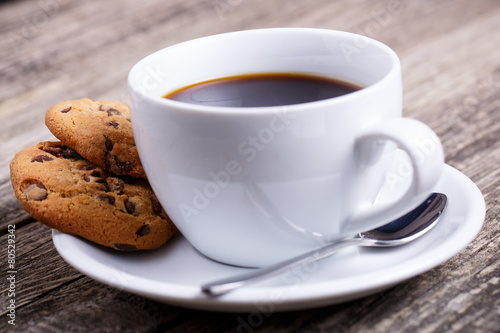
point(174, 274)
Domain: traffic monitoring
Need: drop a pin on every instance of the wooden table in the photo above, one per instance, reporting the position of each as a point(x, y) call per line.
point(55, 50)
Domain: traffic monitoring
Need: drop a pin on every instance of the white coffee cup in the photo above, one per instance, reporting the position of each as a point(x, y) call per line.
point(253, 186)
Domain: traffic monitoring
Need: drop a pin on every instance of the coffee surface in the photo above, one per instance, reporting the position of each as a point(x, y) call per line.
point(266, 89)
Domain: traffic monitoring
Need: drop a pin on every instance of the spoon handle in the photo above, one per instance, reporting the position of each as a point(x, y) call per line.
point(223, 286)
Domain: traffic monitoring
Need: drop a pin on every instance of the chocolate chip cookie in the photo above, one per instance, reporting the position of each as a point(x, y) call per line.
point(100, 131)
point(66, 192)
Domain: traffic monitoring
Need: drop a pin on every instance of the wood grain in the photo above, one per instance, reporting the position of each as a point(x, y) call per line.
point(54, 50)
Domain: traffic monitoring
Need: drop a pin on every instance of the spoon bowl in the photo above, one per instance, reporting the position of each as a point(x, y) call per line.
point(398, 232)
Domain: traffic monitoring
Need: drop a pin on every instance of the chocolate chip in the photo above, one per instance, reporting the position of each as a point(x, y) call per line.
point(66, 110)
point(157, 208)
point(53, 150)
point(67, 152)
point(110, 111)
point(70, 154)
point(130, 206)
point(105, 188)
point(114, 124)
point(108, 159)
point(35, 192)
point(125, 166)
point(125, 247)
point(113, 111)
point(143, 231)
point(108, 198)
point(128, 120)
point(116, 185)
point(107, 143)
point(95, 173)
point(112, 162)
point(41, 158)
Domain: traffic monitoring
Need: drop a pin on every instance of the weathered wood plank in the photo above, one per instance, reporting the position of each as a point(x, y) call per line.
point(83, 305)
point(65, 49)
point(35, 260)
point(10, 209)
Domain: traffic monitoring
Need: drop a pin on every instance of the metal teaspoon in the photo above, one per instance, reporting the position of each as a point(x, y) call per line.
point(398, 232)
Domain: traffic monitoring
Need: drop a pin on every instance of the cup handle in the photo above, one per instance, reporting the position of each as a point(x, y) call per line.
point(427, 158)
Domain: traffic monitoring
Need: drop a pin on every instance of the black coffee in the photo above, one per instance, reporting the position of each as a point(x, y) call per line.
point(268, 89)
